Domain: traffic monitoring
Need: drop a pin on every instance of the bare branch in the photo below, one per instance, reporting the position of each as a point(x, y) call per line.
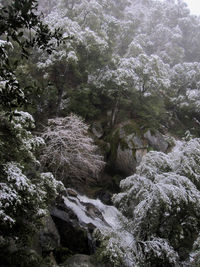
point(69, 149)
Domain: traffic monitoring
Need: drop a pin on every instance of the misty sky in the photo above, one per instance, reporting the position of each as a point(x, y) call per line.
point(194, 6)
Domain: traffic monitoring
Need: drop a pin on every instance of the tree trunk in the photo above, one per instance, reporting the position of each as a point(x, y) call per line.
point(115, 111)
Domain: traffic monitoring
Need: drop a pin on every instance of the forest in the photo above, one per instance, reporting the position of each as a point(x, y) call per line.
point(99, 133)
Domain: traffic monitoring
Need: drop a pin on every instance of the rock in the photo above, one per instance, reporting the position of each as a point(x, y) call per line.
point(105, 196)
point(125, 161)
point(131, 148)
point(65, 214)
point(73, 238)
point(49, 238)
point(72, 235)
point(92, 211)
point(71, 192)
point(91, 227)
point(157, 141)
point(80, 260)
point(139, 154)
point(97, 129)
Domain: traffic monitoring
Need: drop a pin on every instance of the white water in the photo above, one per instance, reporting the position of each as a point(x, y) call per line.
point(107, 220)
point(108, 215)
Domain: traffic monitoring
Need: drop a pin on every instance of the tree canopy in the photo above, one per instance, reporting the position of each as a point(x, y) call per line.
point(21, 28)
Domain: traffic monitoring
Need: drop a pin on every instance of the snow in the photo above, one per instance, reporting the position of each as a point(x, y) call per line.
point(14, 174)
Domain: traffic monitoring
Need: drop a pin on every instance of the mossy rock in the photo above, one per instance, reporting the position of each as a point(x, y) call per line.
point(114, 139)
point(125, 143)
point(132, 127)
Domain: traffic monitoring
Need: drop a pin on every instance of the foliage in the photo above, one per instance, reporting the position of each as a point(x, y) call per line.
point(161, 208)
point(121, 57)
point(185, 79)
point(25, 193)
point(22, 28)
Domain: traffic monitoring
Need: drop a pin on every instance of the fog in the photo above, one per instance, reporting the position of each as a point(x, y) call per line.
point(194, 6)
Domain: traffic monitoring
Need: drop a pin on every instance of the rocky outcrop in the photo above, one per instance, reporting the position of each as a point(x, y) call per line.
point(127, 149)
point(156, 141)
point(125, 161)
point(129, 144)
point(76, 217)
point(77, 214)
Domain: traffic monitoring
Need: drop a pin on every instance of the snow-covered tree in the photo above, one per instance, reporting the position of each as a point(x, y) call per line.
point(185, 86)
point(69, 151)
point(25, 192)
point(20, 26)
point(161, 206)
point(145, 76)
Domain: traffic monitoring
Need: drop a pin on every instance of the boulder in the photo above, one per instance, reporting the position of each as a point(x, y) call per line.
point(129, 145)
point(92, 211)
point(156, 141)
point(49, 238)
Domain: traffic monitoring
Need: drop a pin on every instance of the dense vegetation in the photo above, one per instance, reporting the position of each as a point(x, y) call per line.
point(110, 62)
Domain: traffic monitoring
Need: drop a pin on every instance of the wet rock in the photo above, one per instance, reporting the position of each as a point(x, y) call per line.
point(72, 236)
point(76, 218)
point(71, 192)
point(91, 227)
point(92, 211)
point(47, 238)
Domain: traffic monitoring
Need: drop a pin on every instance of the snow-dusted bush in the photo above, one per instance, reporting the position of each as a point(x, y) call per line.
point(69, 150)
point(161, 205)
